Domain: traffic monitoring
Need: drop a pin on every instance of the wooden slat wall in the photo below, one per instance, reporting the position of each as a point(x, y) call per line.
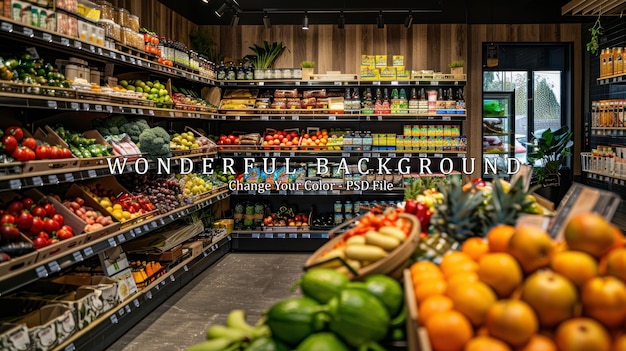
point(480, 34)
point(158, 18)
point(424, 46)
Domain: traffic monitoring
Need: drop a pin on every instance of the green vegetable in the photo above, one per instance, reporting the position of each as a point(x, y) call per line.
point(358, 317)
point(322, 342)
point(155, 141)
point(213, 345)
point(387, 290)
point(293, 319)
point(322, 284)
point(266, 344)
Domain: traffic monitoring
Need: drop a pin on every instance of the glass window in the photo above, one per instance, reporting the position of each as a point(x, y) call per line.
point(547, 99)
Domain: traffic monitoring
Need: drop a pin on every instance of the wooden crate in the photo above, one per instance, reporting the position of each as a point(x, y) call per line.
point(417, 336)
point(19, 262)
point(75, 191)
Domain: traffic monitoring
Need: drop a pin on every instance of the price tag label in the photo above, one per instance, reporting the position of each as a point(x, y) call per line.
point(7, 27)
point(121, 312)
point(77, 256)
point(267, 236)
point(88, 251)
point(172, 217)
point(282, 118)
point(172, 278)
point(421, 155)
point(337, 83)
point(434, 83)
point(237, 118)
point(52, 104)
point(323, 192)
point(407, 155)
point(109, 109)
point(70, 347)
point(92, 48)
point(113, 319)
point(65, 41)
point(75, 106)
point(376, 83)
point(28, 32)
point(265, 118)
point(132, 60)
point(139, 63)
point(37, 181)
point(113, 55)
point(140, 111)
point(41, 272)
point(149, 294)
point(132, 233)
point(185, 268)
point(127, 308)
point(154, 225)
point(375, 154)
point(151, 112)
point(92, 173)
point(121, 238)
point(15, 184)
point(446, 118)
point(306, 236)
point(295, 118)
point(133, 111)
point(146, 228)
point(392, 154)
point(367, 154)
point(47, 37)
point(332, 118)
point(54, 266)
point(138, 231)
point(78, 44)
point(98, 108)
point(163, 283)
point(161, 221)
point(123, 58)
point(136, 302)
point(394, 82)
point(438, 155)
point(86, 106)
point(52, 179)
point(205, 254)
point(112, 242)
point(293, 236)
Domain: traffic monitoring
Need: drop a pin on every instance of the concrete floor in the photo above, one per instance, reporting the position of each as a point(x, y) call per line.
point(250, 281)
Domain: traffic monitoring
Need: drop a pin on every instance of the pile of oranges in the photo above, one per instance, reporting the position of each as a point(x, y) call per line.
point(518, 289)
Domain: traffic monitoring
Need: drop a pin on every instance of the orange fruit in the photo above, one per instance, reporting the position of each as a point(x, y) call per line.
point(461, 279)
point(473, 300)
point(433, 305)
point(532, 248)
point(501, 272)
point(428, 288)
point(604, 299)
point(452, 259)
point(552, 296)
point(576, 266)
point(512, 321)
point(619, 342)
point(498, 237)
point(619, 239)
point(464, 266)
point(590, 233)
point(486, 343)
point(539, 342)
point(420, 276)
point(475, 248)
point(616, 263)
point(449, 331)
point(582, 334)
point(423, 266)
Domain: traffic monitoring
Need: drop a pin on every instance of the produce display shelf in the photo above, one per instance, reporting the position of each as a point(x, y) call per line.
point(55, 263)
point(58, 176)
point(395, 192)
point(342, 83)
point(235, 152)
point(608, 132)
point(51, 40)
point(109, 327)
point(279, 241)
point(63, 104)
point(605, 177)
point(283, 234)
point(304, 114)
point(614, 79)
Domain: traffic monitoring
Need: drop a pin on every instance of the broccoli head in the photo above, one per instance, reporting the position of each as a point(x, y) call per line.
point(155, 141)
point(134, 128)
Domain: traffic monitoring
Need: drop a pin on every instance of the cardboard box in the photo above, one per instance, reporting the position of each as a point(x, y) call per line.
point(381, 61)
point(367, 72)
point(368, 60)
point(170, 255)
point(104, 288)
point(14, 337)
point(81, 303)
point(398, 60)
point(49, 326)
point(113, 261)
point(126, 286)
point(387, 73)
point(227, 224)
point(196, 248)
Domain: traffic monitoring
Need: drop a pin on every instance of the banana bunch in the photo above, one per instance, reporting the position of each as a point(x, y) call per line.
point(235, 335)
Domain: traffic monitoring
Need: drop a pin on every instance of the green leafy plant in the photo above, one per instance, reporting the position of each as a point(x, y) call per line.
point(549, 149)
point(457, 64)
point(201, 43)
point(264, 56)
point(307, 64)
point(596, 32)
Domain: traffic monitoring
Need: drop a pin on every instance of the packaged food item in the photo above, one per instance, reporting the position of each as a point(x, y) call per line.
point(67, 25)
point(121, 16)
point(68, 5)
point(320, 93)
point(279, 93)
point(133, 22)
point(106, 10)
point(111, 29)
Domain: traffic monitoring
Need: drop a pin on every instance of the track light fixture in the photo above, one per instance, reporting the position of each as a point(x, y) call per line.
point(266, 21)
point(342, 20)
point(380, 21)
point(205, 1)
point(305, 22)
point(408, 22)
point(235, 20)
point(220, 12)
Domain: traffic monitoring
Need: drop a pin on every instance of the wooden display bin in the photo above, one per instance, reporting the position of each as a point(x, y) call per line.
point(84, 163)
point(417, 336)
point(19, 262)
point(75, 191)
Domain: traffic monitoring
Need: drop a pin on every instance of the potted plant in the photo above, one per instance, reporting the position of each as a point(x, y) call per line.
point(456, 67)
point(548, 149)
point(264, 56)
point(307, 69)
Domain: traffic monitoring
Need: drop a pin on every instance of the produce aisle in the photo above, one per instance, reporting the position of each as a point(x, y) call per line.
point(252, 281)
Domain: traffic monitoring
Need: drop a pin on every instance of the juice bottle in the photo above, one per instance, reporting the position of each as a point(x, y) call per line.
point(603, 63)
point(609, 62)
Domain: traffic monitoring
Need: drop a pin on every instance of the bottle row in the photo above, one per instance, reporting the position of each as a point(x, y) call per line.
point(612, 62)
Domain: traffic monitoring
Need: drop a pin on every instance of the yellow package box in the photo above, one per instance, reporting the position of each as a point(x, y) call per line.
point(387, 73)
point(368, 60)
point(397, 60)
point(381, 60)
point(402, 74)
point(370, 73)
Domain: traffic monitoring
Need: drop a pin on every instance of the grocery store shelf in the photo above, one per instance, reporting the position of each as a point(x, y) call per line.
point(308, 115)
point(236, 152)
point(105, 330)
point(57, 176)
point(341, 83)
point(381, 191)
point(26, 275)
point(605, 177)
point(33, 35)
point(608, 131)
point(280, 234)
point(280, 240)
point(615, 79)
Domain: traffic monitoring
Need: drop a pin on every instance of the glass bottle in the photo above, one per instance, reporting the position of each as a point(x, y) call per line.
point(221, 71)
point(403, 104)
point(386, 108)
point(241, 73)
point(413, 102)
point(231, 73)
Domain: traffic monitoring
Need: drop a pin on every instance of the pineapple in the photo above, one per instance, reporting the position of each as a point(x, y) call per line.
point(505, 202)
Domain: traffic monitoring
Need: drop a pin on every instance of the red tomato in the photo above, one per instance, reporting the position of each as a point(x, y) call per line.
point(42, 152)
point(154, 41)
point(30, 143)
point(37, 226)
point(21, 154)
point(67, 227)
point(59, 218)
point(40, 242)
point(28, 203)
point(15, 208)
point(9, 232)
point(38, 211)
point(67, 153)
point(64, 234)
point(51, 226)
point(56, 152)
point(10, 143)
point(7, 219)
point(31, 154)
point(50, 210)
point(24, 220)
point(44, 235)
point(15, 131)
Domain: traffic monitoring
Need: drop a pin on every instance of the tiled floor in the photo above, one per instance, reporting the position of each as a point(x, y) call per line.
point(251, 281)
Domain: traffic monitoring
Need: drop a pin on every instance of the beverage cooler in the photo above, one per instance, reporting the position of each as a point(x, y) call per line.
point(498, 134)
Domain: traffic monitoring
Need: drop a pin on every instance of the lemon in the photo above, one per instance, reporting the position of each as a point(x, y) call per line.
point(117, 207)
point(118, 214)
point(126, 214)
point(109, 209)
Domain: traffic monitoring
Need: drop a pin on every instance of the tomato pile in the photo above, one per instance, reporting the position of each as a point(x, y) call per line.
point(37, 220)
point(373, 222)
point(23, 148)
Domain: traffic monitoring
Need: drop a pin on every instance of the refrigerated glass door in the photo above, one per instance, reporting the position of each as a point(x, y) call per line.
point(498, 134)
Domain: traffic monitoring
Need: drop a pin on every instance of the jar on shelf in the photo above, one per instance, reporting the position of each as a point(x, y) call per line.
point(133, 22)
point(107, 11)
point(111, 29)
point(127, 36)
point(121, 15)
point(269, 74)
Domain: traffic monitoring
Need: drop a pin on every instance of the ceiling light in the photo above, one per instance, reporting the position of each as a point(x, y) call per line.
point(408, 22)
point(266, 21)
point(305, 22)
point(220, 12)
point(235, 20)
point(342, 21)
point(205, 1)
point(380, 21)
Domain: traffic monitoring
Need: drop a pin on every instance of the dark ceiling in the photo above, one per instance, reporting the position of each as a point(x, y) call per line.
point(251, 12)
